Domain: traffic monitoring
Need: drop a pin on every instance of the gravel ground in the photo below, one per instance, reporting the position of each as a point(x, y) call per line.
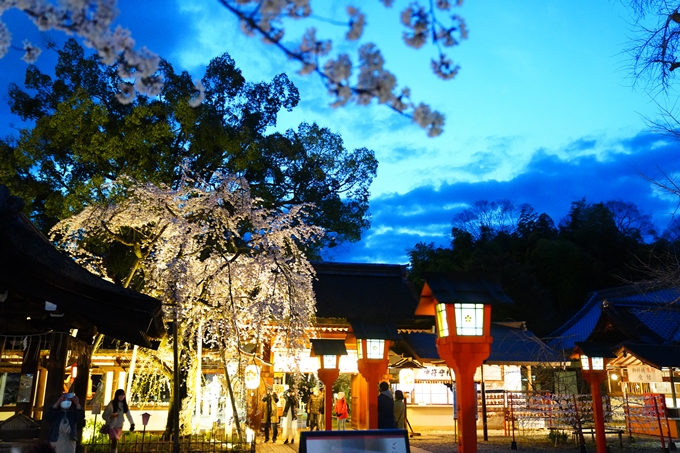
point(444, 442)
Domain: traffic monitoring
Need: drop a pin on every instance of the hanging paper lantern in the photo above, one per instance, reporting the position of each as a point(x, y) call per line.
point(406, 379)
point(252, 376)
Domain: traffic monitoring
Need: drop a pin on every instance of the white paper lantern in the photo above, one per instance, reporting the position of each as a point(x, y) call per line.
point(252, 376)
point(406, 379)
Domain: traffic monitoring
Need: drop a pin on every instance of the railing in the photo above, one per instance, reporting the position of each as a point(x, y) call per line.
point(146, 442)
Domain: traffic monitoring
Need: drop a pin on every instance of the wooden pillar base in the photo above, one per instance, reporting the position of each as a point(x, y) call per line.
point(465, 358)
point(372, 371)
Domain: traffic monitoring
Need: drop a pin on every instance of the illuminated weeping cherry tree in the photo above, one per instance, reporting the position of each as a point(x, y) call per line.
point(221, 265)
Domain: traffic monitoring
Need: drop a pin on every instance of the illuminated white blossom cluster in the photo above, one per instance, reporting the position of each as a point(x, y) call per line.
point(367, 80)
point(211, 255)
point(363, 83)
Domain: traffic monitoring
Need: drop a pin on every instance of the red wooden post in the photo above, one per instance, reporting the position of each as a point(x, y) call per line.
point(328, 377)
point(658, 419)
point(372, 371)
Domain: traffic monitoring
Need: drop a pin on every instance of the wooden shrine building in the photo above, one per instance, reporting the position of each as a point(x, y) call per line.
point(51, 312)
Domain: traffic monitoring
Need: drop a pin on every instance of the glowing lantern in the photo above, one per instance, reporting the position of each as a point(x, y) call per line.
point(373, 345)
point(598, 363)
point(461, 305)
point(593, 369)
point(252, 376)
point(328, 351)
point(407, 379)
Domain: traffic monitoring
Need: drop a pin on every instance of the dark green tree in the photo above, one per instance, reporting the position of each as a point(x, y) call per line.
point(547, 271)
point(82, 137)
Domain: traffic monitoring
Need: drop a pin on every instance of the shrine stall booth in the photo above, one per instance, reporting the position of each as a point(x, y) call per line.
point(640, 325)
point(355, 296)
point(506, 378)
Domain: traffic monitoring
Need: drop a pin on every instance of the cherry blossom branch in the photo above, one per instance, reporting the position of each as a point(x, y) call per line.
point(361, 83)
point(373, 81)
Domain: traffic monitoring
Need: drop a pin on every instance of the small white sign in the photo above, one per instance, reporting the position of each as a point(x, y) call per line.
point(660, 387)
point(431, 373)
point(643, 373)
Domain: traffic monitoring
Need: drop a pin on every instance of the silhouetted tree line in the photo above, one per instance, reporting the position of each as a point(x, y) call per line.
point(549, 269)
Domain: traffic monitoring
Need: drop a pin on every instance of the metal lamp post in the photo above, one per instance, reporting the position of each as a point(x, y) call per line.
point(373, 345)
point(461, 304)
point(145, 421)
point(593, 368)
point(328, 351)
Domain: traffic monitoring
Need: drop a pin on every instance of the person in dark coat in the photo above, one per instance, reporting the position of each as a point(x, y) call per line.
point(271, 415)
point(290, 414)
point(65, 415)
point(315, 409)
point(386, 408)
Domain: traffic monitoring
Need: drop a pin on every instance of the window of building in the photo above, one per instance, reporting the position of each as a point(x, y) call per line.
point(431, 393)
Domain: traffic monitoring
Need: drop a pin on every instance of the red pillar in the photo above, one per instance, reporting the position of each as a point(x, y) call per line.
point(328, 377)
point(465, 358)
point(372, 370)
point(595, 379)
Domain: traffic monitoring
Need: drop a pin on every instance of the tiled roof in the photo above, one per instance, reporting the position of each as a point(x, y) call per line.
point(664, 321)
point(578, 328)
point(34, 271)
point(642, 311)
point(592, 349)
point(323, 346)
point(512, 344)
point(658, 356)
point(420, 345)
point(383, 331)
point(364, 292)
point(451, 288)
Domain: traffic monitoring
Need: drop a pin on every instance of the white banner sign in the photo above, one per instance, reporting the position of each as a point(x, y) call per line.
point(491, 373)
point(513, 378)
point(643, 373)
point(434, 373)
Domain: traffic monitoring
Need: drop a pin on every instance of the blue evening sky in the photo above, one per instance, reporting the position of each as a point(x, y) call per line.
point(542, 112)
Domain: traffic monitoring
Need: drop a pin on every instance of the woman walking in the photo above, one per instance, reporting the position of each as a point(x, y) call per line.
point(113, 416)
